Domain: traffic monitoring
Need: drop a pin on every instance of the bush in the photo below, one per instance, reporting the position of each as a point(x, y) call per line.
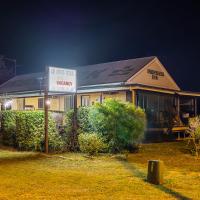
point(91, 143)
point(83, 125)
point(8, 126)
point(194, 127)
point(68, 134)
point(83, 119)
point(194, 134)
point(28, 129)
point(121, 125)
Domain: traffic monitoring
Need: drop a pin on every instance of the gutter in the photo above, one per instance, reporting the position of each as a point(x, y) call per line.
point(103, 85)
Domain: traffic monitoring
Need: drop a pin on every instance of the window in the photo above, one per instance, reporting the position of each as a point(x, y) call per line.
point(68, 102)
point(187, 108)
point(85, 100)
point(20, 103)
point(158, 107)
point(40, 103)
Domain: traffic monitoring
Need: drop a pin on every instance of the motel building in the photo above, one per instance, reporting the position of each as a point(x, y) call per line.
point(144, 82)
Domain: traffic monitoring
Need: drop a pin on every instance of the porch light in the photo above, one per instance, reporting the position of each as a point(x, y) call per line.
point(8, 103)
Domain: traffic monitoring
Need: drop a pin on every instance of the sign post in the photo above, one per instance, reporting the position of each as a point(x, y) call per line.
point(46, 118)
point(58, 81)
point(74, 132)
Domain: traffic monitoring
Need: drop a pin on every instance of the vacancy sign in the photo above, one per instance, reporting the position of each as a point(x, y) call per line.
point(62, 80)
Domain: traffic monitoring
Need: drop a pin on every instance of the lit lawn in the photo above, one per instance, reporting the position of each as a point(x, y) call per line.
point(72, 176)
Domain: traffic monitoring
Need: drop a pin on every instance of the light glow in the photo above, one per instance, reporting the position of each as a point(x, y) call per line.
point(8, 103)
point(48, 102)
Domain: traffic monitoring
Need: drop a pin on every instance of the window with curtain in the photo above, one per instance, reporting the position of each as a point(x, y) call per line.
point(68, 102)
point(85, 100)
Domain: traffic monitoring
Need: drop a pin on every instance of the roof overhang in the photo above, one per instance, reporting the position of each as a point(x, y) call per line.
point(102, 88)
point(187, 93)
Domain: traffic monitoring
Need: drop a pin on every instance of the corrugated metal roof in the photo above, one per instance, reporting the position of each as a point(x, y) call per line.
point(104, 73)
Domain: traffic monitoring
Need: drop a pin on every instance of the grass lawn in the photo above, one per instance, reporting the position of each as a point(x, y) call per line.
point(25, 175)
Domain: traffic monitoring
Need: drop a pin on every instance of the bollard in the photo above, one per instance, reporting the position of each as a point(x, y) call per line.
point(155, 172)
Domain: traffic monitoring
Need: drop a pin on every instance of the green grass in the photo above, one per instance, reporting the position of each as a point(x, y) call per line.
point(25, 175)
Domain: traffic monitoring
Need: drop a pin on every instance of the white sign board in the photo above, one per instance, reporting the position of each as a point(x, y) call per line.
point(62, 80)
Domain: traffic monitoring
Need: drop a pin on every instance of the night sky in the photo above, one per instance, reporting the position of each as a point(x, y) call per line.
point(61, 33)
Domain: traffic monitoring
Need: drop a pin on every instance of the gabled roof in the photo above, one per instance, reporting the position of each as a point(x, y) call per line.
point(104, 73)
point(111, 72)
point(21, 83)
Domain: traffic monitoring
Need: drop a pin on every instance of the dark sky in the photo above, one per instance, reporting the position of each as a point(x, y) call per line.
point(61, 33)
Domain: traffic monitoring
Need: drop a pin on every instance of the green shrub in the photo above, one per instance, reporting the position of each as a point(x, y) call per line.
point(83, 125)
point(121, 125)
point(91, 143)
point(8, 126)
point(68, 134)
point(28, 130)
point(194, 127)
point(194, 134)
point(83, 119)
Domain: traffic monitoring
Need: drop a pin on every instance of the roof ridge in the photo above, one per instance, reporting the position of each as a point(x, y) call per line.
point(117, 61)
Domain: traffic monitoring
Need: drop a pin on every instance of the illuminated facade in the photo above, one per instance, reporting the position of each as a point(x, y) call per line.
point(142, 81)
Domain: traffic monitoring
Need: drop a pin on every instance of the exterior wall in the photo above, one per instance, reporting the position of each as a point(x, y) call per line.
point(61, 103)
point(158, 77)
point(14, 104)
point(79, 100)
point(57, 103)
point(119, 96)
point(95, 97)
point(32, 101)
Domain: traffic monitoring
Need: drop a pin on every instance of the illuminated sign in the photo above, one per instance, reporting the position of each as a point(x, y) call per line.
point(155, 74)
point(61, 80)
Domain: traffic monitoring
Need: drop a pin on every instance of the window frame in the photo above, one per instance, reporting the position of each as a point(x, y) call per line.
point(83, 102)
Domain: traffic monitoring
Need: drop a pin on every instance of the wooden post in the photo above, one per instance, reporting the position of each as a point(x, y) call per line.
point(101, 97)
point(74, 139)
point(155, 172)
point(46, 112)
point(178, 105)
point(75, 112)
point(195, 106)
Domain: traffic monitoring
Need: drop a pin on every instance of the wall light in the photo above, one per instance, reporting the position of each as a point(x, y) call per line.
point(48, 102)
point(8, 103)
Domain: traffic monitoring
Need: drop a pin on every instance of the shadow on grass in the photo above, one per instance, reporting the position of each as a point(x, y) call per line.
point(21, 158)
point(141, 175)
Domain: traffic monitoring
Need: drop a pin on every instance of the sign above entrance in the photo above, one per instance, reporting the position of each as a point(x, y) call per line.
point(155, 74)
point(61, 80)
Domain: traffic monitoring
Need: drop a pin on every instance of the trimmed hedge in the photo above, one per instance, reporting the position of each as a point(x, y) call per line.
point(25, 131)
point(8, 126)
